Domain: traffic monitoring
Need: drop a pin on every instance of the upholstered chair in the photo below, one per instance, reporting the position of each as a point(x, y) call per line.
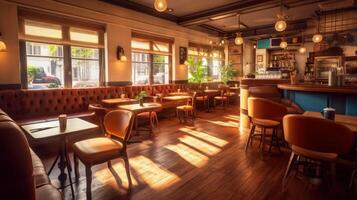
point(99, 112)
point(316, 139)
point(90, 152)
point(265, 114)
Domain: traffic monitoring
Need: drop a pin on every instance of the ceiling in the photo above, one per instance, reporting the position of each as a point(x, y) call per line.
point(219, 17)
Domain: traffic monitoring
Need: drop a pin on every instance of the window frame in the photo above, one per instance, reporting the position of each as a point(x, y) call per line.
point(66, 24)
point(151, 52)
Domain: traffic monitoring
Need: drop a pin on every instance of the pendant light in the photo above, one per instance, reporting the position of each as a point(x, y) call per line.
point(160, 5)
point(239, 39)
point(280, 24)
point(317, 37)
point(302, 48)
point(283, 43)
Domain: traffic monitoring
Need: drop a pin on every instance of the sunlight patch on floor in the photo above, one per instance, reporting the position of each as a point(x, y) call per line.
point(232, 117)
point(151, 173)
point(205, 136)
point(222, 123)
point(103, 175)
point(200, 145)
point(190, 155)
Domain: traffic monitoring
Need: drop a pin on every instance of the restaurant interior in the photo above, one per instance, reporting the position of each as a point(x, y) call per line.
point(178, 99)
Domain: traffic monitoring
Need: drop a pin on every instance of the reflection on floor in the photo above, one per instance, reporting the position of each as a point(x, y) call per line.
point(201, 161)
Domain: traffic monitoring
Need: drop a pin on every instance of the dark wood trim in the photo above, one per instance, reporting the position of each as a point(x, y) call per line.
point(14, 86)
point(147, 36)
point(144, 9)
point(118, 83)
point(67, 65)
point(101, 67)
point(23, 64)
point(179, 81)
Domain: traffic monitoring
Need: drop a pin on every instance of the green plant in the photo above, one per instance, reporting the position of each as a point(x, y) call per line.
point(227, 73)
point(52, 85)
point(31, 73)
point(141, 95)
point(197, 71)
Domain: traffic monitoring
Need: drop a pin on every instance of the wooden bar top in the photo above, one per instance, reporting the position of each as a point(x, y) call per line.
point(319, 88)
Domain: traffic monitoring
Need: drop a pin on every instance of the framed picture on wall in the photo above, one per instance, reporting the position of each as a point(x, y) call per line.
point(259, 58)
point(183, 55)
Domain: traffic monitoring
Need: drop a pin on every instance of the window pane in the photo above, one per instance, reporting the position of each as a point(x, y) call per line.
point(136, 44)
point(43, 29)
point(85, 67)
point(160, 69)
point(141, 66)
point(83, 35)
point(44, 65)
point(162, 47)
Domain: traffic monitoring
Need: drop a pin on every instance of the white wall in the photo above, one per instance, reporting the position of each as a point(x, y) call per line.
point(120, 23)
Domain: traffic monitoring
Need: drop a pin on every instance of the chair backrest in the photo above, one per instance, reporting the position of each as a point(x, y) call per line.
point(119, 124)
point(267, 92)
point(193, 100)
point(317, 134)
point(98, 110)
point(265, 109)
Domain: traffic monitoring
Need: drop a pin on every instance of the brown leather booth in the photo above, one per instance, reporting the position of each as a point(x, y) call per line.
point(22, 173)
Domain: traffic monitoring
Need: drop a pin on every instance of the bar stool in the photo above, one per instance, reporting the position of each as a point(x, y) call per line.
point(265, 114)
point(316, 139)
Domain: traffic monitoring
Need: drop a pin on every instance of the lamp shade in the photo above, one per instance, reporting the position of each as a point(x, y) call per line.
point(239, 40)
point(316, 38)
point(302, 50)
point(2, 46)
point(280, 25)
point(283, 44)
point(160, 5)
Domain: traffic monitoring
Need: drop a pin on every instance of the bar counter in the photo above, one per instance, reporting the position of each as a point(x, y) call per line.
point(315, 97)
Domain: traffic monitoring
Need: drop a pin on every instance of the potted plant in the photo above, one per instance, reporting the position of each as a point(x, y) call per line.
point(227, 73)
point(196, 71)
point(140, 97)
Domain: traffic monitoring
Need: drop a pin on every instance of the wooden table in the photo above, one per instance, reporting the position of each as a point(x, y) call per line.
point(178, 94)
point(110, 103)
point(349, 121)
point(50, 129)
point(176, 98)
point(137, 109)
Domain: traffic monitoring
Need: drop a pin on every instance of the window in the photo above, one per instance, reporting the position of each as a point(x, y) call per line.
point(60, 55)
point(212, 59)
point(44, 65)
point(151, 61)
point(85, 67)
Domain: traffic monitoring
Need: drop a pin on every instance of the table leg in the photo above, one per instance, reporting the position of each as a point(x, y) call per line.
point(62, 164)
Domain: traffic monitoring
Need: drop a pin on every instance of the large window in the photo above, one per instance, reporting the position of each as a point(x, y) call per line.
point(151, 61)
point(56, 55)
point(212, 59)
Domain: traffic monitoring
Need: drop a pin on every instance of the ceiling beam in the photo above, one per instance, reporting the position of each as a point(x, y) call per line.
point(215, 29)
point(144, 9)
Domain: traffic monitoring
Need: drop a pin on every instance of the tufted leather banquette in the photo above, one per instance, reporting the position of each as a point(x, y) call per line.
point(42, 104)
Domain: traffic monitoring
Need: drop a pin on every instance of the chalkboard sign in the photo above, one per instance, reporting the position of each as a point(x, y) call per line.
point(183, 55)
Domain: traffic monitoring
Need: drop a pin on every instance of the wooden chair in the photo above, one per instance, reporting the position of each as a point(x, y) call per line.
point(221, 98)
point(99, 112)
point(118, 125)
point(188, 109)
point(316, 139)
point(202, 97)
point(151, 117)
point(265, 114)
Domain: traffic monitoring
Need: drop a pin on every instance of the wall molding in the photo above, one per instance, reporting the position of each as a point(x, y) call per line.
point(118, 83)
point(13, 86)
point(179, 81)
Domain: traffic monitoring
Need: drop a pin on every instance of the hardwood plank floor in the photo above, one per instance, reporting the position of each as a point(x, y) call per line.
point(201, 161)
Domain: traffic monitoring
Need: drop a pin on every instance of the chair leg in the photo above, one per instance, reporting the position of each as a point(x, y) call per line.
point(89, 182)
point(252, 129)
point(263, 142)
point(109, 163)
point(288, 169)
point(76, 167)
point(127, 170)
point(333, 173)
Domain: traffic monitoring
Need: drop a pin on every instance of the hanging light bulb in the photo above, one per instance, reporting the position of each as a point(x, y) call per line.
point(239, 39)
point(280, 24)
point(160, 5)
point(302, 50)
point(317, 37)
point(283, 44)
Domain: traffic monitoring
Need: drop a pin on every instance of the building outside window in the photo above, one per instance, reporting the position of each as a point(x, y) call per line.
point(151, 61)
point(46, 63)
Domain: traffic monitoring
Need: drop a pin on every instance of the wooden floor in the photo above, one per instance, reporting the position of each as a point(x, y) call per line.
point(201, 161)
